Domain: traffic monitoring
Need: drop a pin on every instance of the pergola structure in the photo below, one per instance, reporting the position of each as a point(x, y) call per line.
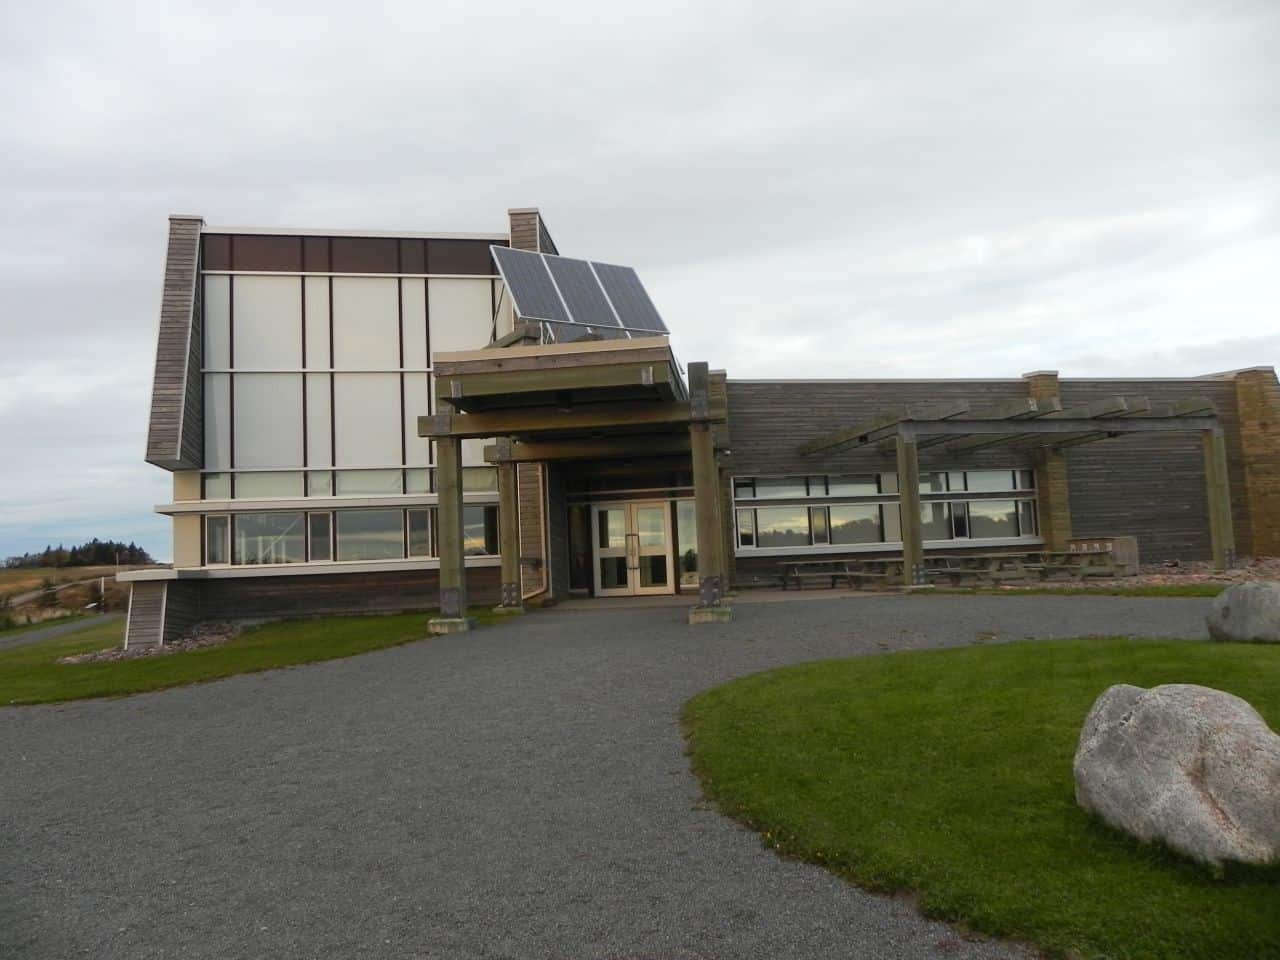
point(1033, 424)
point(586, 400)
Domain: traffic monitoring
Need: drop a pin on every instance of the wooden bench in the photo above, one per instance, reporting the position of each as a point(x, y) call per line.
point(854, 573)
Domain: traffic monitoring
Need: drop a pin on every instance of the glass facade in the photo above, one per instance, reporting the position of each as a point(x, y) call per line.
point(268, 538)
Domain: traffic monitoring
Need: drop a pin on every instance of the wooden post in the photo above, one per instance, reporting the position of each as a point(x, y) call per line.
point(509, 537)
point(1218, 494)
point(909, 497)
point(706, 503)
point(453, 574)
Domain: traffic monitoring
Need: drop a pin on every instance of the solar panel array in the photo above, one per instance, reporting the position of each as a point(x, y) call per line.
point(578, 298)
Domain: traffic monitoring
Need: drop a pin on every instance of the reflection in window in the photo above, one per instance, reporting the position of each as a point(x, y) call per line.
point(933, 482)
point(960, 520)
point(935, 521)
point(320, 483)
point(782, 527)
point(479, 530)
point(216, 546)
point(857, 523)
point(418, 480)
point(268, 538)
point(776, 488)
point(747, 528)
point(479, 479)
point(370, 534)
point(986, 481)
point(255, 486)
point(853, 486)
point(369, 483)
point(1027, 520)
point(818, 524)
point(687, 542)
point(993, 518)
point(419, 533)
point(319, 540)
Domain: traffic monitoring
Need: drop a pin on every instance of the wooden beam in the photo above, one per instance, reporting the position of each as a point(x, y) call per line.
point(534, 420)
point(1022, 408)
point(523, 333)
point(510, 361)
point(873, 430)
point(453, 574)
point(1218, 496)
point(706, 483)
point(909, 500)
point(609, 448)
point(959, 428)
point(509, 535)
point(463, 386)
point(1134, 407)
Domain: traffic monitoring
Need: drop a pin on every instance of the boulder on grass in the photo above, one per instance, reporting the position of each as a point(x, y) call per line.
point(1246, 613)
point(1189, 766)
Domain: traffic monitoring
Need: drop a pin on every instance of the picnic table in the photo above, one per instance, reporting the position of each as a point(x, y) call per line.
point(955, 568)
point(853, 572)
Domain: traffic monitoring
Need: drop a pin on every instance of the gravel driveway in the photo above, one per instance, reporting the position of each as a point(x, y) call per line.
point(518, 792)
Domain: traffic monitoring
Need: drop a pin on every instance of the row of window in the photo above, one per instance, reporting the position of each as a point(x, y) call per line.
point(879, 484)
point(340, 483)
point(871, 523)
point(250, 539)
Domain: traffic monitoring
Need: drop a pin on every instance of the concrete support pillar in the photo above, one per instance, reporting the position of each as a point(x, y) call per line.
point(1218, 494)
point(909, 494)
point(1053, 496)
point(509, 537)
point(453, 573)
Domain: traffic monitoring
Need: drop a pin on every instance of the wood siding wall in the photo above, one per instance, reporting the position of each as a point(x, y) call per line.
point(533, 562)
point(1150, 486)
point(175, 434)
point(557, 530)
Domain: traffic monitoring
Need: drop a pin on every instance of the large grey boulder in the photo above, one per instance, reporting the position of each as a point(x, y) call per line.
point(1190, 766)
point(1246, 613)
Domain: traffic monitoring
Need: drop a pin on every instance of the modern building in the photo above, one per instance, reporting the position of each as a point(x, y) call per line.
point(362, 421)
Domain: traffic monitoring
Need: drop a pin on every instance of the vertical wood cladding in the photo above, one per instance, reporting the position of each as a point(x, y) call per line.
point(524, 229)
point(1152, 486)
point(1258, 405)
point(557, 530)
point(262, 253)
point(146, 612)
point(770, 419)
point(175, 431)
point(533, 562)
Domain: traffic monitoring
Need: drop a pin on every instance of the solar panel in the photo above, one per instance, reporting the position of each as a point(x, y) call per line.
point(629, 298)
point(577, 298)
point(532, 291)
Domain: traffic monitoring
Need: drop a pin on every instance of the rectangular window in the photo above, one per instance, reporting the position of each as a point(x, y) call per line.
point(419, 533)
point(268, 538)
point(216, 546)
point(1027, 520)
point(782, 527)
point(959, 520)
point(217, 486)
point(479, 530)
point(852, 486)
point(891, 516)
point(818, 524)
point(320, 484)
point(1026, 479)
point(888, 482)
point(992, 518)
point(933, 483)
point(935, 521)
point(268, 417)
point(989, 481)
point(817, 486)
point(370, 482)
point(319, 540)
point(746, 528)
point(417, 481)
point(479, 479)
point(370, 534)
point(857, 523)
point(777, 488)
point(955, 480)
point(744, 489)
point(259, 486)
point(687, 543)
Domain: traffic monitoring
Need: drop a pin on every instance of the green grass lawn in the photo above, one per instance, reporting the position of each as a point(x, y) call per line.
point(31, 673)
point(948, 773)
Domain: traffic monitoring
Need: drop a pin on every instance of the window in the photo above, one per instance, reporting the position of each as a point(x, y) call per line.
point(217, 486)
point(891, 516)
point(747, 528)
point(933, 482)
point(268, 538)
point(818, 524)
point(267, 416)
point(935, 521)
point(853, 486)
point(1027, 520)
point(417, 481)
point(1026, 479)
point(955, 480)
point(993, 518)
point(370, 534)
point(960, 520)
point(420, 533)
point(817, 486)
point(370, 482)
point(857, 523)
point(320, 484)
point(782, 527)
point(888, 482)
point(255, 486)
point(687, 543)
point(744, 489)
point(479, 530)
point(989, 481)
point(217, 549)
point(479, 479)
point(319, 540)
point(778, 488)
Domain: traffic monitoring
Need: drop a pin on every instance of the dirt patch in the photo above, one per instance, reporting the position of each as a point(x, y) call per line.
point(204, 635)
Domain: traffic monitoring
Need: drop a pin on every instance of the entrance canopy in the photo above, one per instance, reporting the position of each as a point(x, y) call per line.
point(1040, 425)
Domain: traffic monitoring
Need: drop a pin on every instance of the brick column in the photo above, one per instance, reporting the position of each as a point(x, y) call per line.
point(1258, 400)
point(1052, 492)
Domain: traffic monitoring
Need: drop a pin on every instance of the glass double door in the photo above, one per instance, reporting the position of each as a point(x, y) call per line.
point(632, 548)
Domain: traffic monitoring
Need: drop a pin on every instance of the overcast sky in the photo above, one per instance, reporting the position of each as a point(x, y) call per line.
point(853, 189)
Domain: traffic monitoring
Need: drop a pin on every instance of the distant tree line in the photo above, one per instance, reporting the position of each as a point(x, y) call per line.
point(92, 554)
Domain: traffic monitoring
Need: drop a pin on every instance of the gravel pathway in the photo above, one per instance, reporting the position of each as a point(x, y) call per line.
point(518, 792)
